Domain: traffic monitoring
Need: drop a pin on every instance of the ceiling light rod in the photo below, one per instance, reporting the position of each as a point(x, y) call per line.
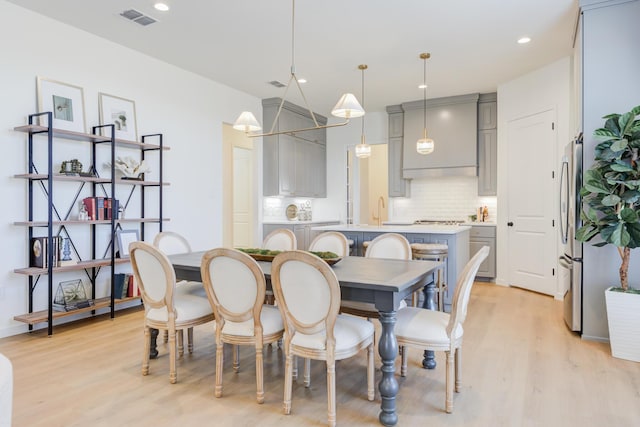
point(347, 107)
point(425, 145)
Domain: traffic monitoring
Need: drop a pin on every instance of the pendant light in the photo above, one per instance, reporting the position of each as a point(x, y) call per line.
point(363, 150)
point(425, 145)
point(347, 107)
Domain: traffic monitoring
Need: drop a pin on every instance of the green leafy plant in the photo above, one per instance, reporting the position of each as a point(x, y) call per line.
point(611, 189)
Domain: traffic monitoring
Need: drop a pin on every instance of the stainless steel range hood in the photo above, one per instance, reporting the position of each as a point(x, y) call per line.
point(452, 122)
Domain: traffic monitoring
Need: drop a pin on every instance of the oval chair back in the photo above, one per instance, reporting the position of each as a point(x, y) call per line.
point(463, 290)
point(330, 241)
point(171, 242)
point(281, 239)
point(389, 245)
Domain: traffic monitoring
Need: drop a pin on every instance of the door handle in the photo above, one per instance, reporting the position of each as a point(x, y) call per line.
point(510, 224)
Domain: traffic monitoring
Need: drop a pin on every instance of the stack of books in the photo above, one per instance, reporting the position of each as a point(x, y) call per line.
point(99, 208)
point(125, 286)
point(40, 252)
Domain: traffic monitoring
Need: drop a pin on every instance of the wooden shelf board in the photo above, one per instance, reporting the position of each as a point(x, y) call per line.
point(62, 177)
point(43, 315)
point(78, 222)
point(80, 136)
point(82, 265)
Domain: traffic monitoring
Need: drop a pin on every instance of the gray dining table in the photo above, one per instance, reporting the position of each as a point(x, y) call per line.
point(383, 282)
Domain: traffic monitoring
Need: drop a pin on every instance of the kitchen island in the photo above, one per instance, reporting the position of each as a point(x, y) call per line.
point(456, 237)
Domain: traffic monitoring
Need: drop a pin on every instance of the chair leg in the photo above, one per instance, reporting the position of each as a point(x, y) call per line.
point(173, 375)
point(448, 401)
point(307, 373)
point(145, 350)
point(288, 382)
point(236, 358)
point(190, 340)
point(294, 368)
point(331, 392)
point(165, 336)
point(259, 372)
point(440, 291)
point(371, 391)
point(403, 364)
point(180, 342)
point(219, 366)
point(458, 368)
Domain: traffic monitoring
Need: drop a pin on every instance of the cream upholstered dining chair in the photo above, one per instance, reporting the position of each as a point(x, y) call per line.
point(6, 391)
point(387, 245)
point(171, 243)
point(330, 241)
point(308, 295)
point(166, 307)
point(236, 288)
point(439, 331)
point(281, 239)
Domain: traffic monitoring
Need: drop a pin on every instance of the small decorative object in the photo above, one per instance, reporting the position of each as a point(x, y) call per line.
point(124, 238)
point(121, 113)
point(611, 206)
point(83, 215)
point(130, 167)
point(66, 253)
point(65, 101)
point(71, 295)
point(71, 167)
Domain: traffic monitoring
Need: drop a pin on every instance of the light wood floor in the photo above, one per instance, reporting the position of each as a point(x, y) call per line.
point(521, 367)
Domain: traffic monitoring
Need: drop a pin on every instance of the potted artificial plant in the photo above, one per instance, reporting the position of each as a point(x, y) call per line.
point(611, 205)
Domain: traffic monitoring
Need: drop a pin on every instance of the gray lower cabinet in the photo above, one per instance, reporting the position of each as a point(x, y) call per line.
point(294, 165)
point(484, 236)
point(303, 232)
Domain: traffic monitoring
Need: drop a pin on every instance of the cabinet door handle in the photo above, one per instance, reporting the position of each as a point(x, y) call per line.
point(510, 224)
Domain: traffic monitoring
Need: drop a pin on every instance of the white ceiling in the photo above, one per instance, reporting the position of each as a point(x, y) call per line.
point(247, 43)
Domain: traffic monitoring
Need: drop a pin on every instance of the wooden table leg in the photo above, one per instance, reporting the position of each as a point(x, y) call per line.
point(429, 360)
point(388, 350)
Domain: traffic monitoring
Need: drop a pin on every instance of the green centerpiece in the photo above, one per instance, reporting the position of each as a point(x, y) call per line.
point(260, 254)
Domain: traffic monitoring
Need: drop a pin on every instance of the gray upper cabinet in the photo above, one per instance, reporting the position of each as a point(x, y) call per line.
point(294, 164)
point(452, 122)
point(487, 145)
point(398, 186)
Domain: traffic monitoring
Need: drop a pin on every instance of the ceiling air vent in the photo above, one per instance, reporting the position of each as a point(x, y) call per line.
point(138, 17)
point(276, 83)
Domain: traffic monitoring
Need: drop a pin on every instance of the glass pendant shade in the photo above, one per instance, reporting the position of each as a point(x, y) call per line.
point(247, 122)
point(425, 145)
point(348, 107)
point(363, 150)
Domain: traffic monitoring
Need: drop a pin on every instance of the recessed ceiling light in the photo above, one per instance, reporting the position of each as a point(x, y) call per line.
point(524, 40)
point(302, 80)
point(162, 7)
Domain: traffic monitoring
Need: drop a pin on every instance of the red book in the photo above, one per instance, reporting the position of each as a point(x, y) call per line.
point(90, 206)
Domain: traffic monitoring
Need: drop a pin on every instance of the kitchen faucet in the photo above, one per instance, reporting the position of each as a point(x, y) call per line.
point(379, 217)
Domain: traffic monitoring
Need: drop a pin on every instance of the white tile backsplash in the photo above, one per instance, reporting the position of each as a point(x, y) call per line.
point(447, 198)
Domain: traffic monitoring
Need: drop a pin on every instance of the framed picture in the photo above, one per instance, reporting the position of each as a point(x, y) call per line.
point(124, 237)
point(65, 101)
point(121, 112)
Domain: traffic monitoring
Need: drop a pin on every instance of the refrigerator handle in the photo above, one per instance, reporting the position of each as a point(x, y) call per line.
point(564, 187)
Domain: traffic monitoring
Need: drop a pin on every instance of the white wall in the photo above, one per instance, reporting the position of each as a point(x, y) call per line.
point(187, 109)
point(539, 90)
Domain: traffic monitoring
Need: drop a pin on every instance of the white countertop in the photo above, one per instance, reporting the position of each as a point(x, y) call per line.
point(418, 229)
point(295, 221)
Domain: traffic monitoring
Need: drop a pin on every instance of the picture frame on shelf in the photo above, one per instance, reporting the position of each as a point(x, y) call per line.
point(65, 101)
point(121, 113)
point(123, 239)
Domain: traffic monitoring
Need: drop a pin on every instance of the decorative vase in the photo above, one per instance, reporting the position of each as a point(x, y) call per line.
point(623, 315)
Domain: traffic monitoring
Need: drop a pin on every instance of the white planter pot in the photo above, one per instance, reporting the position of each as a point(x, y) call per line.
point(623, 314)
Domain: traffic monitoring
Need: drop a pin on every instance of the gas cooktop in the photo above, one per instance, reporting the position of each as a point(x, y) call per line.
point(438, 222)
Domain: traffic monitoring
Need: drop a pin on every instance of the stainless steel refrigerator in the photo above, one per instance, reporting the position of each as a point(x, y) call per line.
point(570, 206)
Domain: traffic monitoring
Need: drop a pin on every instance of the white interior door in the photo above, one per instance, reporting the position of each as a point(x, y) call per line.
point(242, 197)
point(531, 200)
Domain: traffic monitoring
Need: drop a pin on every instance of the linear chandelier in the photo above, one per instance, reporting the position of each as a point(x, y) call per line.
point(347, 107)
